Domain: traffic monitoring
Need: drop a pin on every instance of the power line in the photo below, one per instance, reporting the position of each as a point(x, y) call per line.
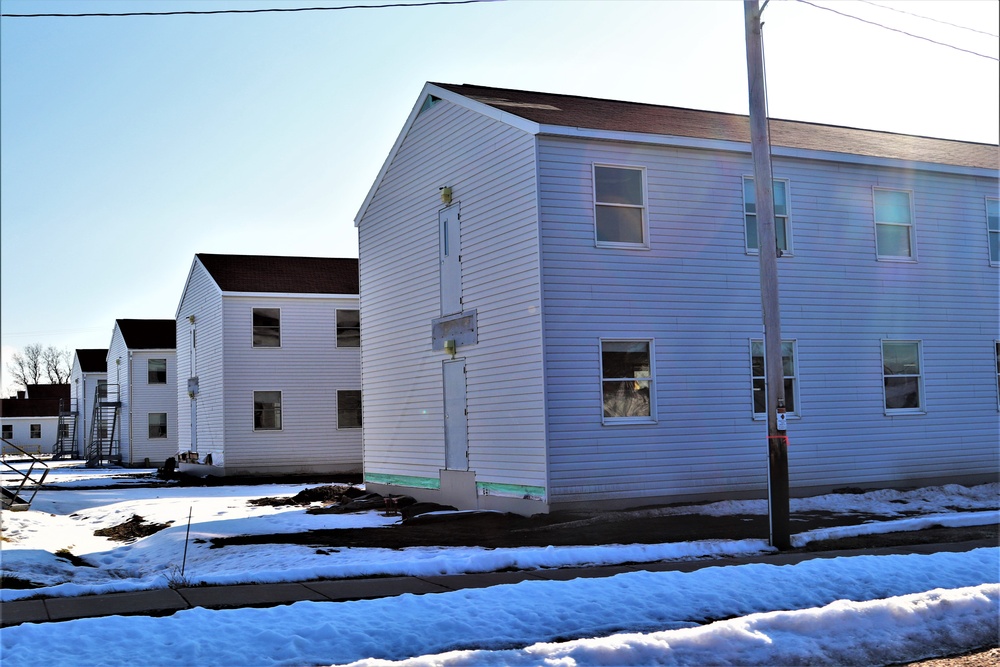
point(928, 18)
point(248, 11)
point(908, 34)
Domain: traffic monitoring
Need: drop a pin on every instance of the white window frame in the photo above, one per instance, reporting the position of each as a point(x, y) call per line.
point(990, 232)
point(7, 431)
point(644, 208)
point(166, 430)
point(626, 421)
point(784, 252)
point(34, 431)
point(921, 408)
point(337, 325)
point(796, 412)
point(349, 428)
point(281, 410)
point(280, 336)
point(911, 227)
point(996, 353)
point(148, 361)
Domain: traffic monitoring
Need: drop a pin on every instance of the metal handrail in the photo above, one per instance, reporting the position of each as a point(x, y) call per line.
point(26, 476)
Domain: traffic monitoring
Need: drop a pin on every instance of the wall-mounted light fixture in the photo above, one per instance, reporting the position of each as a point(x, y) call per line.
point(191, 319)
point(445, 194)
point(449, 346)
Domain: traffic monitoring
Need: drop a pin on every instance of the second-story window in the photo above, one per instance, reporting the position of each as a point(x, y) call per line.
point(893, 224)
point(348, 328)
point(782, 232)
point(619, 206)
point(156, 371)
point(993, 229)
point(267, 327)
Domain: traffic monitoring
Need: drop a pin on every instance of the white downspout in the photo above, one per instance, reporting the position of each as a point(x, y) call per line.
point(131, 426)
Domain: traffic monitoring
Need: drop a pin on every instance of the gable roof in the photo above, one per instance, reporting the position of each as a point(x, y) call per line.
point(42, 401)
point(149, 334)
point(288, 275)
point(572, 111)
point(92, 360)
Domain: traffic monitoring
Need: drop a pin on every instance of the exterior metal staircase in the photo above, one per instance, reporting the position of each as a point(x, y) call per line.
point(104, 446)
point(65, 447)
point(17, 497)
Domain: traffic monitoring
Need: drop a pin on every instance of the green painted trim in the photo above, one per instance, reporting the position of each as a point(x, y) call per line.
point(403, 480)
point(511, 490)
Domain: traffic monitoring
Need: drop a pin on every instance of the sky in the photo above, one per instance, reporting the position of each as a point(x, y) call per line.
point(128, 144)
point(846, 610)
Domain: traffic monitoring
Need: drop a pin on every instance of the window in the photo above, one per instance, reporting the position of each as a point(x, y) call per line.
point(348, 328)
point(157, 425)
point(267, 411)
point(157, 371)
point(102, 389)
point(781, 230)
point(759, 377)
point(893, 224)
point(997, 357)
point(349, 409)
point(993, 229)
point(8, 432)
point(626, 380)
point(63, 430)
point(619, 206)
point(901, 375)
point(267, 327)
point(35, 431)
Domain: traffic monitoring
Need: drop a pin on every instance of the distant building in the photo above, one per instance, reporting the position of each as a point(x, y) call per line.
point(88, 380)
point(269, 366)
point(31, 419)
point(141, 417)
point(561, 306)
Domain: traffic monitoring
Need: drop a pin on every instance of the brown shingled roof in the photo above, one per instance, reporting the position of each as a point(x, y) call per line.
point(611, 115)
point(93, 361)
point(292, 275)
point(149, 334)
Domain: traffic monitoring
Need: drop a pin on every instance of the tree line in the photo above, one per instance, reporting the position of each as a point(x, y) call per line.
point(36, 365)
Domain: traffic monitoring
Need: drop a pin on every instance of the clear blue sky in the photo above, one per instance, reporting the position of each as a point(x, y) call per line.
point(130, 144)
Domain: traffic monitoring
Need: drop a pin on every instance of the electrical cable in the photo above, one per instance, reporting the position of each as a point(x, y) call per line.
point(248, 11)
point(928, 18)
point(875, 23)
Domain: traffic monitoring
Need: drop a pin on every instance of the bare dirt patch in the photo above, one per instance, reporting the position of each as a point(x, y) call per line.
point(132, 529)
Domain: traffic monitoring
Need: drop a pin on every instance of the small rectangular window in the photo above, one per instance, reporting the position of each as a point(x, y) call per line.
point(782, 232)
point(997, 358)
point(627, 381)
point(156, 370)
point(267, 411)
point(157, 425)
point(788, 364)
point(901, 375)
point(893, 224)
point(35, 431)
point(349, 409)
point(993, 229)
point(348, 328)
point(63, 430)
point(267, 327)
point(8, 432)
point(619, 206)
point(102, 389)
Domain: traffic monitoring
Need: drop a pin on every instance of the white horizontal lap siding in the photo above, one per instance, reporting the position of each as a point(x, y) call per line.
point(147, 398)
point(696, 293)
point(118, 374)
point(490, 168)
point(203, 300)
point(308, 369)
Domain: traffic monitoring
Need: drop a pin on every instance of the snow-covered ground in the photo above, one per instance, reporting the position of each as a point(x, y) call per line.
point(863, 610)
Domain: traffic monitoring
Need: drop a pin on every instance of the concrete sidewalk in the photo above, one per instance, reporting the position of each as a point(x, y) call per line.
point(163, 602)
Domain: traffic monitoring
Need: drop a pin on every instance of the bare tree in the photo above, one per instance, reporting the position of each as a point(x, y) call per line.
point(57, 364)
point(26, 367)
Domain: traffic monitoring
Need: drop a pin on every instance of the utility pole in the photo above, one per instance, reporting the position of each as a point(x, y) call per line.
point(774, 377)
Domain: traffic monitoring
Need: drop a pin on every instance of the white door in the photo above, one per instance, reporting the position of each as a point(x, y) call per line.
point(451, 260)
point(456, 435)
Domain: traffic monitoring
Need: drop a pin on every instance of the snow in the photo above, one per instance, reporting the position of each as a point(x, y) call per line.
point(858, 610)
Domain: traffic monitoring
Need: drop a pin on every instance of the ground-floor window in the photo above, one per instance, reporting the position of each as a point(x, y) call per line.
point(63, 430)
point(627, 381)
point(35, 431)
point(997, 357)
point(349, 408)
point(788, 365)
point(901, 374)
point(267, 411)
point(157, 425)
point(8, 432)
